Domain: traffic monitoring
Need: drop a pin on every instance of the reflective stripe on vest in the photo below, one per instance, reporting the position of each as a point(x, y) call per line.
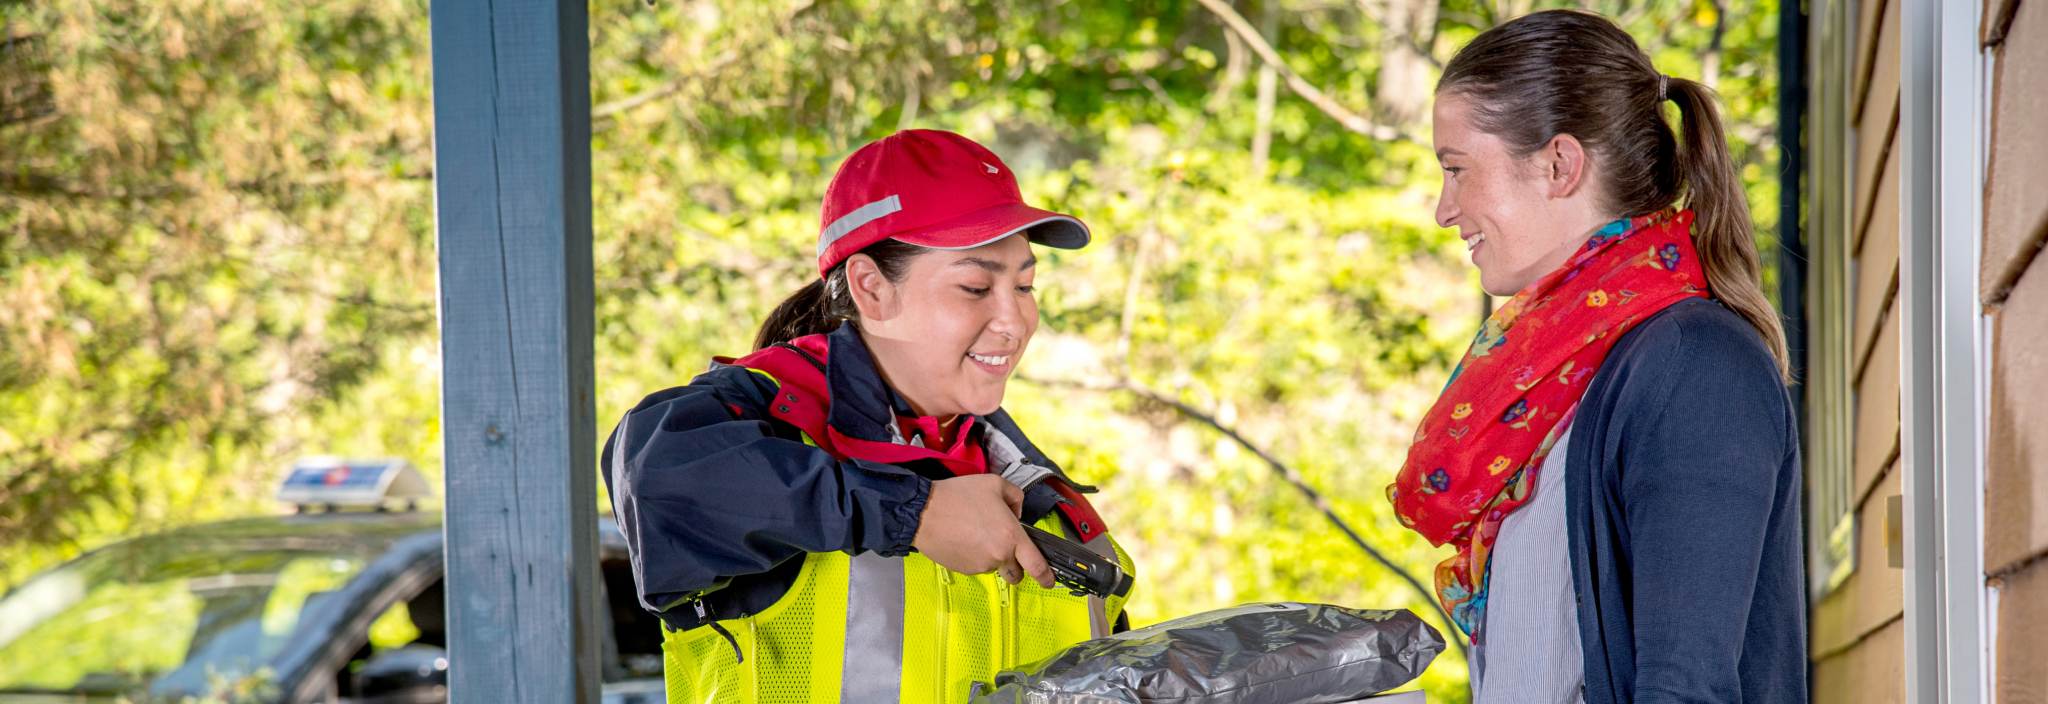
point(859, 629)
point(869, 628)
point(1098, 608)
point(873, 663)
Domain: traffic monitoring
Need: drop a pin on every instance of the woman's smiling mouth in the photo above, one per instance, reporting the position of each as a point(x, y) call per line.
point(991, 362)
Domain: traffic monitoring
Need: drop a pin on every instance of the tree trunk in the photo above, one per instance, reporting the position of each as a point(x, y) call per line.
point(1404, 70)
point(1269, 84)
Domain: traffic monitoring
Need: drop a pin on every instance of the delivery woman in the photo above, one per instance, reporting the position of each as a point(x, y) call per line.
point(838, 515)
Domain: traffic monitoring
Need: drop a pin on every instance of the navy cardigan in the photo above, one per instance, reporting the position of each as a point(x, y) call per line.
point(1683, 514)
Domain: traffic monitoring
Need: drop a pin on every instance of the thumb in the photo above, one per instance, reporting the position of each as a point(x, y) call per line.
point(1032, 562)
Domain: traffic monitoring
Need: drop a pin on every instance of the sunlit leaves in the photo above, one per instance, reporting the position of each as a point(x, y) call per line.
point(218, 249)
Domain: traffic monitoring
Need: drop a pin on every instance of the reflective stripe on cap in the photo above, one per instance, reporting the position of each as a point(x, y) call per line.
point(853, 221)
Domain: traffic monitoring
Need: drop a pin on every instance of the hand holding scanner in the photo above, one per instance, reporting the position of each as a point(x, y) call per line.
point(1078, 568)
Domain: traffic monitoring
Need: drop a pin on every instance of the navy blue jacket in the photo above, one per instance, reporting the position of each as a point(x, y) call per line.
point(719, 502)
point(1683, 515)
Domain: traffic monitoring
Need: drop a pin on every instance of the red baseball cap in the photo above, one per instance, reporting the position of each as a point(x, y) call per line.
point(934, 189)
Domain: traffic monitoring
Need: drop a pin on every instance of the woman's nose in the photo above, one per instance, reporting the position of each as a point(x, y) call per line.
point(1009, 317)
point(1446, 210)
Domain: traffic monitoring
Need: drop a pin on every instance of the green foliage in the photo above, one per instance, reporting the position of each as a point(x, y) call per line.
point(218, 253)
point(214, 215)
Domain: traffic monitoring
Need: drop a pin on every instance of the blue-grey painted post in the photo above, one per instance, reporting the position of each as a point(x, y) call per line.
point(512, 210)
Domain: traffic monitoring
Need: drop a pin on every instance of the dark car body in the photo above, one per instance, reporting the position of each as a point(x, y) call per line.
point(273, 609)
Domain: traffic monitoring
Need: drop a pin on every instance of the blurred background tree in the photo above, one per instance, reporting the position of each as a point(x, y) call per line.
point(218, 233)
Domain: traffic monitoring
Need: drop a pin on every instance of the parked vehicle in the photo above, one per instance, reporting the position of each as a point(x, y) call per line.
point(341, 606)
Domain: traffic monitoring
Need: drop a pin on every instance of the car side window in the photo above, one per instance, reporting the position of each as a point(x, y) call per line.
point(637, 632)
point(404, 656)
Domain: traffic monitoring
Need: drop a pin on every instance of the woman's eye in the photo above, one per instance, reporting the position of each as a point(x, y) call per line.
point(975, 292)
point(1026, 289)
point(1452, 170)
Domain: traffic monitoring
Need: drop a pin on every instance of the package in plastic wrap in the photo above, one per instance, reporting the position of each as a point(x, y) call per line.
point(1251, 654)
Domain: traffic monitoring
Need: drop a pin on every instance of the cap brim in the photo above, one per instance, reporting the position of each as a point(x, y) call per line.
point(989, 225)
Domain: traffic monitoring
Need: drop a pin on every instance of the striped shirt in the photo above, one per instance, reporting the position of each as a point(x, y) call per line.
point(1531, 624)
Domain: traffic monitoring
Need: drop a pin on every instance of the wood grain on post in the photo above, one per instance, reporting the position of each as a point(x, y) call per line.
point(512, 215)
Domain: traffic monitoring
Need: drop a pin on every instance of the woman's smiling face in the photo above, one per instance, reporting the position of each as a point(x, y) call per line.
point(950, 332)
point(1498, 201)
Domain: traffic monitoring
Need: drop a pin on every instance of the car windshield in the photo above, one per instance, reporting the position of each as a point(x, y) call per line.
point(195, 614)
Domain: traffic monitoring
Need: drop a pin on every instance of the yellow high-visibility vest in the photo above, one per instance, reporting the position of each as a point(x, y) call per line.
point(881, 629)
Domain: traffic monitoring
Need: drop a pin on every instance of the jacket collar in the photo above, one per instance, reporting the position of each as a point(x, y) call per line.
point(863, 406)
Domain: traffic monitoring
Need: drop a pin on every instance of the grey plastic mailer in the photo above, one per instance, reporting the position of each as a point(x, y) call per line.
point(1251, 654)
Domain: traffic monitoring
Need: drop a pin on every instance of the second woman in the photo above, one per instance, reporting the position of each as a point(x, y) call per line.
point(1615, 459)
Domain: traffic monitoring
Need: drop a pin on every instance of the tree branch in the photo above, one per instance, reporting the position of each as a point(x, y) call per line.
point(1233, 72)
point(605, 111)
point(913, 98)
point(1286, 472)
point(1300, 86)
point(33, 184)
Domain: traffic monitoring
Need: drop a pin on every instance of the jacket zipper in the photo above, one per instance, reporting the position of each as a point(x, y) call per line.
point(1006, 609)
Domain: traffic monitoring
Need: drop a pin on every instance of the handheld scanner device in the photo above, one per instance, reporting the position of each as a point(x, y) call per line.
point(1080, 569)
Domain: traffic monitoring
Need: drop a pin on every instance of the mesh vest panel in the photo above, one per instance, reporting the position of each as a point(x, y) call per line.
point(784, 664)
point(957, 630)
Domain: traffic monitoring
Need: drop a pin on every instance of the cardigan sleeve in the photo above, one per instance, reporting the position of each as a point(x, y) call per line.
point(1700, 454)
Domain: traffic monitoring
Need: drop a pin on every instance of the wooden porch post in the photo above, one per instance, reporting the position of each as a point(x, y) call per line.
point(512, 209)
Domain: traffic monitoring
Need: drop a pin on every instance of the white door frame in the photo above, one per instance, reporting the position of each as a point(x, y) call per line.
point(1942, 389)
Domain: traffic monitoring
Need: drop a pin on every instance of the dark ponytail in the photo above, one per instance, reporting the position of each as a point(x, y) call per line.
point(820, 306)
point(803, 313)
point(1722, 231)
point(1570, 72)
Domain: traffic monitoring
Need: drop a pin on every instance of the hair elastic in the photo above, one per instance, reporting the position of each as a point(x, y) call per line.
point(1663, 82)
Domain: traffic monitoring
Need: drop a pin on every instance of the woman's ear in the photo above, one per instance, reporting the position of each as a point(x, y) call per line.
point(873, 294)
point(1565, 167)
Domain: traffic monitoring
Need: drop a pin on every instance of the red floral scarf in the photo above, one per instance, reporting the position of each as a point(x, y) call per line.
point(1479, 448)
